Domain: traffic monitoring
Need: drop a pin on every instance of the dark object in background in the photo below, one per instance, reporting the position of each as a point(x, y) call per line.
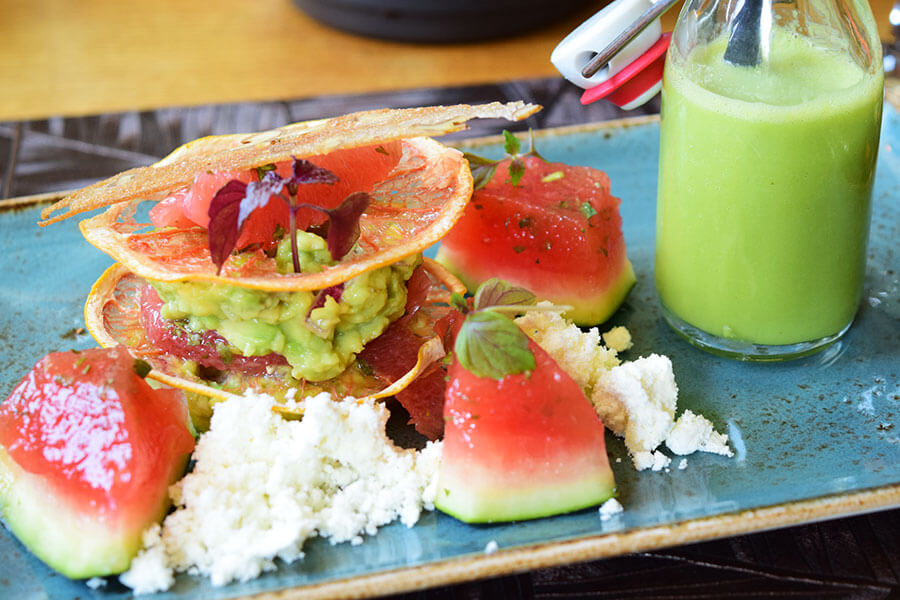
point(439, 21)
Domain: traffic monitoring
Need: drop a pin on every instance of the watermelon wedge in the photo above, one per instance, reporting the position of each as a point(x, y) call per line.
point(557, 232)
point(526, 446)
point(87, 452)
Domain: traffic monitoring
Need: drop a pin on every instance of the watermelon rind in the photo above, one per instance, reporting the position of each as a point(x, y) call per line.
point(72, 541)
point(461, 496)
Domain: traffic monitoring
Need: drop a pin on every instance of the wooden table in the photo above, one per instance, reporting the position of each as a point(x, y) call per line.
point(97, 56)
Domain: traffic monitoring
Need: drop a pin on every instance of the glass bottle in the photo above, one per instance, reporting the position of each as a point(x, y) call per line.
point(771, 113)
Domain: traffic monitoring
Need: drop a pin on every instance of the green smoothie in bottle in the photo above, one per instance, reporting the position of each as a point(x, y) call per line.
point(765, 185)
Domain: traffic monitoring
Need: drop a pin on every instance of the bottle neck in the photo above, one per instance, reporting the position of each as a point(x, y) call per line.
point(753, 27)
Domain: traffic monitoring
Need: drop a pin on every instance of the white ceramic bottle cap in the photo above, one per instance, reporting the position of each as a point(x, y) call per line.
point(634, 74)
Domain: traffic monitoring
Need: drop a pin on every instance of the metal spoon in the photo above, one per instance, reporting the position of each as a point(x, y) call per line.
point(743, 45)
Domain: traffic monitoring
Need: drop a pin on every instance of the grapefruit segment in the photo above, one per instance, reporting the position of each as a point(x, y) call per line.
point(357, 169)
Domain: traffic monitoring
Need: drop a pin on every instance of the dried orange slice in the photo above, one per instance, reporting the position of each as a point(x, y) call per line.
point(409, 211)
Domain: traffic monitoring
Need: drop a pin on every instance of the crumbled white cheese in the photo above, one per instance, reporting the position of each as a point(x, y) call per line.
point(636, 400)
point(491, 547)
point(655, 461)
point(693, 432)
point(95, 583)
point(263, 484)
point(149, 571)
point(610, 508)
point(579, 353)
point(618, 338)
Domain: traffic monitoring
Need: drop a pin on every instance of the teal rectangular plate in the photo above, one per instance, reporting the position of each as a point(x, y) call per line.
point(814, 438)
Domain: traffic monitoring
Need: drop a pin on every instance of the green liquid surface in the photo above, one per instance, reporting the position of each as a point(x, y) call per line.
point(765, 184)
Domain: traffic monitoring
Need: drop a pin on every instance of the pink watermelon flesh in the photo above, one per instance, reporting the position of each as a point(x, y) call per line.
point(557, 233)
point(87, 452)
point(527, 446)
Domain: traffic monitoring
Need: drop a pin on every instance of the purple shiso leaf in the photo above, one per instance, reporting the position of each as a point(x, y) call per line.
point(235, 202)
point(343, 224)
point(258, 194)
point(223, 221)
point(306, 172)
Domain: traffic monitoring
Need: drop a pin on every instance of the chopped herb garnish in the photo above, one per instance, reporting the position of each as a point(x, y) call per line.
point(554, 176)
point(141, 367)
point(483, 169)
point(587, 210)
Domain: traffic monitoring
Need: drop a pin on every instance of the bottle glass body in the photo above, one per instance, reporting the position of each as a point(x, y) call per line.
point(765, 177)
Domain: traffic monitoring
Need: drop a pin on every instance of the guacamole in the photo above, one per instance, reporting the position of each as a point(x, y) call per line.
point(318, 344)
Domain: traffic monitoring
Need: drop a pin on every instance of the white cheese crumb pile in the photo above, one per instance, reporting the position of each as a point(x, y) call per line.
point(262, 485)
point(609, 509)
point(636, 400)
point(95, 583)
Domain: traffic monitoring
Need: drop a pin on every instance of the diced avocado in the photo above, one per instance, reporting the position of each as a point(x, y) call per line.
point(318, 344)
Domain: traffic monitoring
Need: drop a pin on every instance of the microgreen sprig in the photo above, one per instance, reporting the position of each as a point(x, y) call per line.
point(483, 169)
point(236, 201)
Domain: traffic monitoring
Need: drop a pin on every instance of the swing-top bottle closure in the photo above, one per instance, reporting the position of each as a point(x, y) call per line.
point(618, 54)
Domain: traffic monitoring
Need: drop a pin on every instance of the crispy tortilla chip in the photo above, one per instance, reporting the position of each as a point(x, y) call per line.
point(310, 138)
point(112, 316)
point(411, 210)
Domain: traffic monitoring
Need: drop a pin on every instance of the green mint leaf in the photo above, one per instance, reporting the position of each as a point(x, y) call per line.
point(482, 175)
point(497, 292)
point(516, 171)
point(482, 169)
point(511, 143)
point(478, 161)
point(587, 210)
point(490, 344)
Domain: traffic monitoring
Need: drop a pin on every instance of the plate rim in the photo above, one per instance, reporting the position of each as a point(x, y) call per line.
point(606, 545)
